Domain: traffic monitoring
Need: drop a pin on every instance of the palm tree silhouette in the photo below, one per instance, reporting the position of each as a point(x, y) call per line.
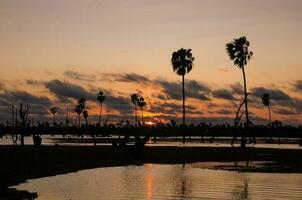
point(53, 110)
point(85, 115)
point(80, 108)
point(134, 99)
point(266, 102)
point(141, 103)
point(100, 99)
point(182, 63)
point(239, 53)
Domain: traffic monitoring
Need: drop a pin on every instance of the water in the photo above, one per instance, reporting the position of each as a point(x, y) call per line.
point(154, 181)
point(287, 143)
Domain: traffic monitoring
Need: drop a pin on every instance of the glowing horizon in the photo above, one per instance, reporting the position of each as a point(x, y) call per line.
point(92, 45)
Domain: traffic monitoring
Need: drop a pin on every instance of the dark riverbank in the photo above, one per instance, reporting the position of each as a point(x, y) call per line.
point(21, 163)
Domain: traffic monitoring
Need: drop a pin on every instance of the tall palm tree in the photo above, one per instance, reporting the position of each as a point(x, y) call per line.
point(53, 110)
point(238, 52)
point(182, 63)
point(85, 115)
point(80, 108)
point(141, 103)
point(100, 99)
point(134, 99)
point(82, 102)
point(266, 102)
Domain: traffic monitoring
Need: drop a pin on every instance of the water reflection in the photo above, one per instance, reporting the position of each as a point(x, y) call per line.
point(152, 181)
point(241, 192)
point(149, 179)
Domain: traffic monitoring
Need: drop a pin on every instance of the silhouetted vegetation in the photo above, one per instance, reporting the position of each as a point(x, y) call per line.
point(240, 54)
point(100, 99)
point(182, 63)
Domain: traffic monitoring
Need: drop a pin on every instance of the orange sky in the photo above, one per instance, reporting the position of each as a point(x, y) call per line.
point(41, 40)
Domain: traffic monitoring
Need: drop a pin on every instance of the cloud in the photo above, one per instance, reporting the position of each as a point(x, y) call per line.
point(2, 86)
point(24, 97)
point(193, 89)
point(119, 103)
point(237, 88)
point(126, 77)
point(225, 112)
point(223, 94)
point(38, 105)
point(65, 90)
point(80, 76)
point(275, 94)
point(132, 78)
point(298, 85)
point(283, 111)
point(34, 82)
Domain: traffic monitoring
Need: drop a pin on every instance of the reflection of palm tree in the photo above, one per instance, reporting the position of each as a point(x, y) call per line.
point(182, 63)
point(53, 111)
point(266, 102)
point(238, 51)
point(100, 98)
point(134, 100)
point(141, 103)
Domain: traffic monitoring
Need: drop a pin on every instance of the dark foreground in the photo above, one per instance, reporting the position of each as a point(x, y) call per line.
point(21, 163)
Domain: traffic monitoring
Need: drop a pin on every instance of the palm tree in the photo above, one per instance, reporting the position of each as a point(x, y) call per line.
point(240, 54)
point(53, 110)
point(134, 99)
point(266, 102)
point(85, 115)
point(141, 103)
point(182, 63)
point(79, 109)
point(100, 99)
point(82, 102)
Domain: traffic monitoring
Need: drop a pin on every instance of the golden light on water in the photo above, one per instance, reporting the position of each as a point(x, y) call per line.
point(149, 181)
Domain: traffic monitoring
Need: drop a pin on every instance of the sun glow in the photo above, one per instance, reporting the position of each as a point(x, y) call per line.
point(149, 123)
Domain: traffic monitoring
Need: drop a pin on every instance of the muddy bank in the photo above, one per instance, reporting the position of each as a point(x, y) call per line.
point(21, 163)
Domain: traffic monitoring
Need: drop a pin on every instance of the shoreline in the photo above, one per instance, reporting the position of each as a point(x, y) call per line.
point(19, 164)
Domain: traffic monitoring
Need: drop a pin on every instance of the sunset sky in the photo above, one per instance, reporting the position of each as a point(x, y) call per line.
point(55, 52)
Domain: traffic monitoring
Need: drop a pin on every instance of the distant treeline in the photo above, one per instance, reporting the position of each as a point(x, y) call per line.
point(159, 130)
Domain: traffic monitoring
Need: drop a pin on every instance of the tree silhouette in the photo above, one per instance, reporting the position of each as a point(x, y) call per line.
point(134, 99)
point(53, 110)
point(24, 119)
point(141, 103)
point(182, 63)
point(79, 109)
point(100, 99)
point(238, 52)
point(266, 102)
point(85, 115)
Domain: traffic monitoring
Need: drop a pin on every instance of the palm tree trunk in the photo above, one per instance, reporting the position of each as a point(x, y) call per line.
point(243, 140)
point(270, 122)
point(142, 116)
point(135, 115)
point(53, 119)
point(183, 106)
point(269, 113)
point(79, 120)
point(100, 116)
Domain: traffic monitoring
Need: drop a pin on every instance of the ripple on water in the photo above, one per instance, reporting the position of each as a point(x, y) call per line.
point(152, 181)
